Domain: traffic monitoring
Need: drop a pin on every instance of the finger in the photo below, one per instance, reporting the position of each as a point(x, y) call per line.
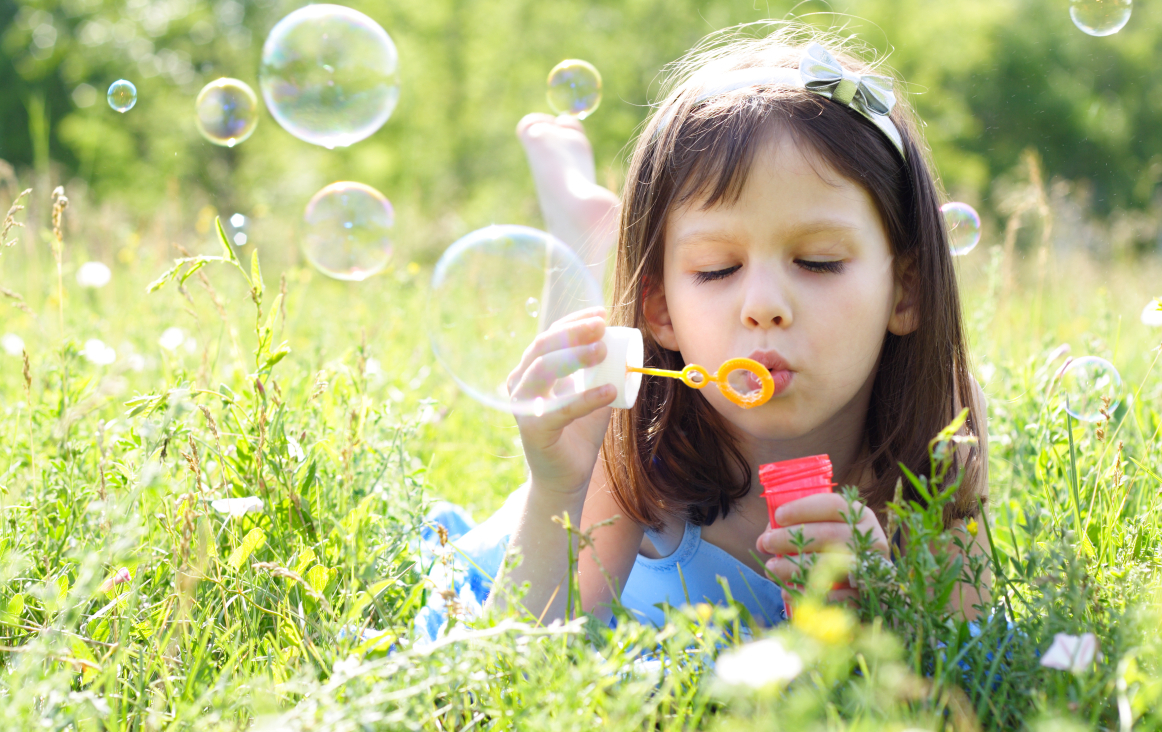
point(570, 121)
point(578, 329)
point(529, 120)
point(819, 507)
point(559, 414)
point(786, 568)
point(540, 376)
point(829, 536)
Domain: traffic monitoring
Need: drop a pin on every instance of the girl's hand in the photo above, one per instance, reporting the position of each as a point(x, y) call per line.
point(821, 519)
point(562, 445)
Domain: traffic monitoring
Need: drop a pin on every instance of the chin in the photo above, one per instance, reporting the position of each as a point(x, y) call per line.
point(771, 421)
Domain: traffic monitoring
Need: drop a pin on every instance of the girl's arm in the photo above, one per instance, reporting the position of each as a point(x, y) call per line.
point(562, 447)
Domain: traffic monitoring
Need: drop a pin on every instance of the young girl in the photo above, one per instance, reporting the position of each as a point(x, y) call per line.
point(779, 206)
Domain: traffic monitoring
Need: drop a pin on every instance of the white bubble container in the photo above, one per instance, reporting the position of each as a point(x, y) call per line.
point(625, 347)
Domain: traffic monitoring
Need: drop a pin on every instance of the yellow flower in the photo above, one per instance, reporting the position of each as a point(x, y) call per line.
point(972, 527)
point(828, 624)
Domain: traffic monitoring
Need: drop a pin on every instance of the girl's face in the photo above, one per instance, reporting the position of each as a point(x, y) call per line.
point(796, 274)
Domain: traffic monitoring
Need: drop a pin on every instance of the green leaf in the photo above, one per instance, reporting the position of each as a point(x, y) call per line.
point(256, 275)
point(15, 607)
point(226, 248)
point(318, 577)
point(305, 560)
point(253, 540)
point(189, 272)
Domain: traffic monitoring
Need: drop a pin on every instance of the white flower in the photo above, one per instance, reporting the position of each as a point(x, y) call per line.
point(758, 664)
point(171, 338)
point(295, 449)
point(95, 351)
point(12, 344)
point(136, 361)
point(1070, 652)
point(237, 506)
point(93, 275)
point(1152, 313)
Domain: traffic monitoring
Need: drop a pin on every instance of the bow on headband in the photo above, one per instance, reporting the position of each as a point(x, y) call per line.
point(869, 95)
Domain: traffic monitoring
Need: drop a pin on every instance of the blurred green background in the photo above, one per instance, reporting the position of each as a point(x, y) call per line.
point(991, 78)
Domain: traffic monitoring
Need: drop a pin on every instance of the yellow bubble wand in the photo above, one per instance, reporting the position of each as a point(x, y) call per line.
point(697, 377)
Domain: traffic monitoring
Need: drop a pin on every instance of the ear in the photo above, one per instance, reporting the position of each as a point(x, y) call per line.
point(905, 316)
point(657, 316)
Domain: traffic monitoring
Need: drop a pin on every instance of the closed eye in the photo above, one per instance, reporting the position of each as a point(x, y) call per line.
point(701, 277)
point(833, 267)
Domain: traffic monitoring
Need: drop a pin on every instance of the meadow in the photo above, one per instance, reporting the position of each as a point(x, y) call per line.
point(214, 474)
point(323, 400)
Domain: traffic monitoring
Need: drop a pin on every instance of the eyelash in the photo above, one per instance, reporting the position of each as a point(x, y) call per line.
point(833, 267)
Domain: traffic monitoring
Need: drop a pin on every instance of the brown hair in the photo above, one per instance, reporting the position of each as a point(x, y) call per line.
point(672, 454)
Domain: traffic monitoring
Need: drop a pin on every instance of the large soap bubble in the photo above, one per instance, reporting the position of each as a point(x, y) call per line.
point(328, 75)
point(1090, 384)
point(348, 231)
point(1100, 17)
point(226, 111)
point(963, 223)
point(574, 88)
point(122, 95)
point(493, 291)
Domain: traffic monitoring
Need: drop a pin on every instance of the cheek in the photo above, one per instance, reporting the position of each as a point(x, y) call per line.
point(850, 323)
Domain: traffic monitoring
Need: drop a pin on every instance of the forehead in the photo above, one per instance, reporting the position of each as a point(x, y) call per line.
point(787, 187)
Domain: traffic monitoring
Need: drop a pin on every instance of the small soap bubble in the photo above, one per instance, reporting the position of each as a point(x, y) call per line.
point(480, 324)
point(744, 383)
point(226, 111)
point(574, 88)
point(1100, 17)
point(532, 306)
point(329, 75)
point(963, 225)
point(1087, 384)
point(349, 228)
point(122, 95)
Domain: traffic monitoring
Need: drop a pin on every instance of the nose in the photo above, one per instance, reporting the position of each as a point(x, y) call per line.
point(765, 300)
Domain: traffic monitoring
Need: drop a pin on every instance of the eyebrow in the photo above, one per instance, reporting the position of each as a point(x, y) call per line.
point(809, 228)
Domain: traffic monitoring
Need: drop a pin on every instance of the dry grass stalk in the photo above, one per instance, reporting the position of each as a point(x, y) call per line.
point(17, 300)
point(59, 203)
point(1031, 198)
point(10, 220)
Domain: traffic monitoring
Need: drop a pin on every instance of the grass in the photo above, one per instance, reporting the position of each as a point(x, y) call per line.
point(323, 400)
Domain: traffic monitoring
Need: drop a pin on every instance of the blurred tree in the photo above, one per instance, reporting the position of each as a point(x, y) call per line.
point(990, 77)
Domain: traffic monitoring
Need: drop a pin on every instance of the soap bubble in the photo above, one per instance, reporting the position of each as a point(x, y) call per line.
point(574, 88)
point(533, 307)
point(481, 323)
point(122, 95)
point(1100, 17)
point(348, 231)
point(963, 224)
point(1085, 383)
point(328, 75)
point(226, 111)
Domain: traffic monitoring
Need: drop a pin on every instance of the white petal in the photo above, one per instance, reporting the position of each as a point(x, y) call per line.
point(1152, 313)
point(758, 664)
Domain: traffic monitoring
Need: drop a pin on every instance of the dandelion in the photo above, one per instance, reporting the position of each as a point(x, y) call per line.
point(234, 507)
point(93, 275)
point(95, 351)
point(171, 338)
point(12, 344)
point(1070, 652)
point(758, 665)
point(121, 577)
point(1152, 313)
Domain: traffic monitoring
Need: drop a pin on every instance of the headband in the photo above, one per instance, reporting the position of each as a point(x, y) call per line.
point(869, 95)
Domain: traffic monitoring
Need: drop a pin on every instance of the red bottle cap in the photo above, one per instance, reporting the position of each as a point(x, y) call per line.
point(791, 480)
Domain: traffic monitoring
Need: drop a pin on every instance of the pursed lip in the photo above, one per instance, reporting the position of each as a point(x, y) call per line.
point(771, 360)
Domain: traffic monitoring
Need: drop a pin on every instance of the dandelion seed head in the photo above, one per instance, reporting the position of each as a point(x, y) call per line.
point(12, 344)
point(93, 275)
